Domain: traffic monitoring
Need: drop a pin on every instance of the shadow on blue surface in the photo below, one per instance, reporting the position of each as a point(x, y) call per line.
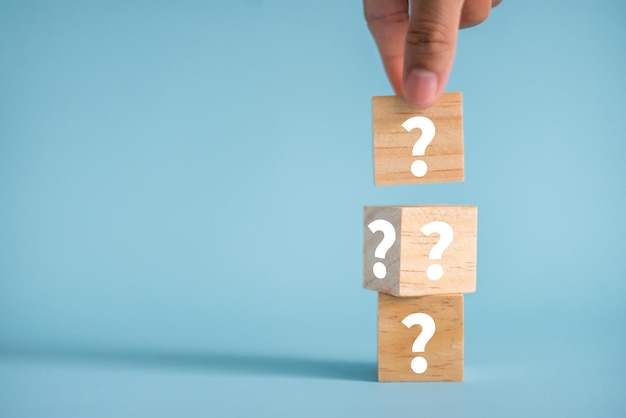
point(227, 363)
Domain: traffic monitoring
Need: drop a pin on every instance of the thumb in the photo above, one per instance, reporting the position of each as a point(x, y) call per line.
point(429, 49)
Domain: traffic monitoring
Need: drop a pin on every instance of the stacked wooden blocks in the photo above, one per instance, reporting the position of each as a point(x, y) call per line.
point(421, 259)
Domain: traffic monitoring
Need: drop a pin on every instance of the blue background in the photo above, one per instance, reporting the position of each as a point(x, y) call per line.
point(181, 195)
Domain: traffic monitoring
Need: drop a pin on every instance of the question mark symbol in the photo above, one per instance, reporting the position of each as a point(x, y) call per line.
point(389, 237)
point(419, 364)
point(419, 167)
point(435, 271)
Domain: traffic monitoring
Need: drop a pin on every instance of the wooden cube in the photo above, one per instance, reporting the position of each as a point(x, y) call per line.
point(420, 250)
point(413, 146)
point(420, 338)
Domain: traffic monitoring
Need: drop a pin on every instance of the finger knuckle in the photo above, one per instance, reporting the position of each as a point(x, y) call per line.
point(429, 37)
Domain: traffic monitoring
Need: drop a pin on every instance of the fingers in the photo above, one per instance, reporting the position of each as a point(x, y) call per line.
point(418, 51)
point(429, 50)
point(475, 12)
point(388, 21)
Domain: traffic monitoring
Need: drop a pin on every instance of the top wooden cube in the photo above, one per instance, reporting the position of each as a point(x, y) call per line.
point(413, 146)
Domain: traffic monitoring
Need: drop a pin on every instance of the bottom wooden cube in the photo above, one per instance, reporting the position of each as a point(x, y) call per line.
point(420, 339)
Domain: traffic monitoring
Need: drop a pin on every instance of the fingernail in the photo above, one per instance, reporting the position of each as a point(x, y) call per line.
point(420, 88)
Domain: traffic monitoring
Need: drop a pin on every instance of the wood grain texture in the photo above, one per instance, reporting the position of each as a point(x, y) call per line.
point(393, 144)
point(444, 350)
point(408, 259)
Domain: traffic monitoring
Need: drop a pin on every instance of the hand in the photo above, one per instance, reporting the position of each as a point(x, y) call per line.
point(418, 50)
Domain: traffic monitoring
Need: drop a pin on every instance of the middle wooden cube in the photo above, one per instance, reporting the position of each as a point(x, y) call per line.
point(420, 250)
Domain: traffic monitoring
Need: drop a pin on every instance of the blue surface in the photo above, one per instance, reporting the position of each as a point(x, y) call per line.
point(181, 194)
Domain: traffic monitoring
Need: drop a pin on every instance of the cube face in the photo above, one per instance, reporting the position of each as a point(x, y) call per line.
point(375, 251)
point(407, 352)
point(434, 250)
point(413, 146)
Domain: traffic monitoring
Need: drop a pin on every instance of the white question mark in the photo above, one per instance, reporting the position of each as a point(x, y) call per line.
point(389, 237)
point(419, 167)
point(419, 364)
point(435, 271)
